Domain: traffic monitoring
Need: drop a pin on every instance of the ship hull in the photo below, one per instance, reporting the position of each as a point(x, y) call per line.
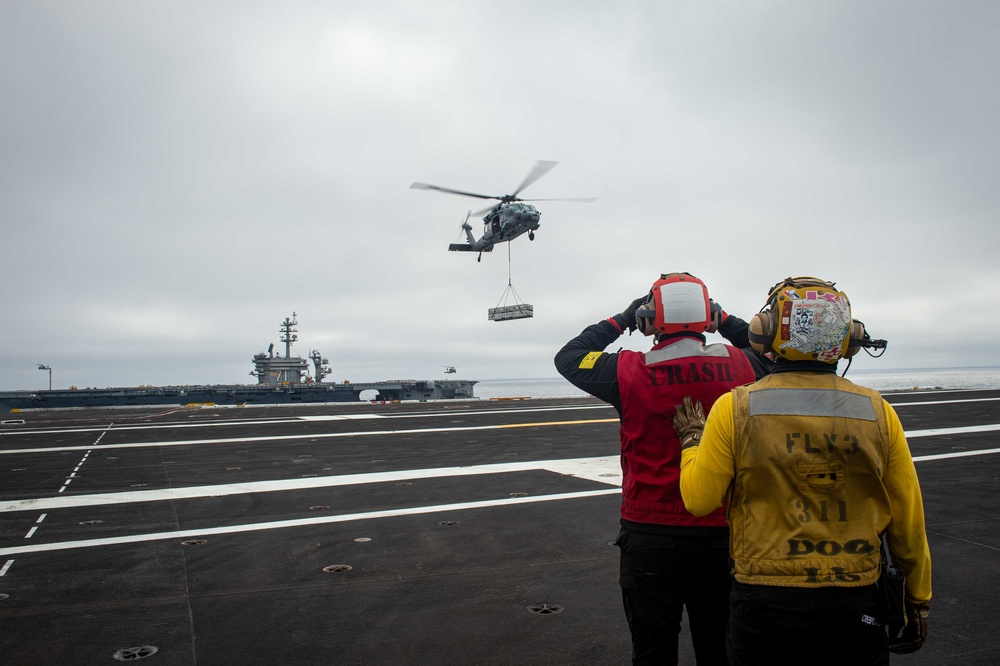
point(258, 394)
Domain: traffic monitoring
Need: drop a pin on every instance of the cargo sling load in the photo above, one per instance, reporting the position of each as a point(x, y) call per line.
point(517, 309)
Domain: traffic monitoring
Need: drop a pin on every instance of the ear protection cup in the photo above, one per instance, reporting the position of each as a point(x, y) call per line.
point(858, 335)
point(762, 327)
point(645, 324)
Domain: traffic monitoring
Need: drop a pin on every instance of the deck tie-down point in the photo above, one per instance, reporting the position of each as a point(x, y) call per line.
point(545, 609)
point(133, 653)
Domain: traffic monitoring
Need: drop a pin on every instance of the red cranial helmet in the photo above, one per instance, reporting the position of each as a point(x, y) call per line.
point(677, 303)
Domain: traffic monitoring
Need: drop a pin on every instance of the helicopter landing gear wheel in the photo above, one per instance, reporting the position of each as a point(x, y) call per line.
point(531, 235)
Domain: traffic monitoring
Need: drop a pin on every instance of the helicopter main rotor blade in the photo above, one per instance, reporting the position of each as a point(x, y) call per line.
point(448, 190)
point(477, 213)
point(576, 200)
point(541, 168)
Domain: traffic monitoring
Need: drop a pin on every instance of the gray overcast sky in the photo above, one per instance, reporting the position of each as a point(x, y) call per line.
point(176, 178)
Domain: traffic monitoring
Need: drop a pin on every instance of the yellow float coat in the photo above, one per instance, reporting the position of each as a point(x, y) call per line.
point(815, 468)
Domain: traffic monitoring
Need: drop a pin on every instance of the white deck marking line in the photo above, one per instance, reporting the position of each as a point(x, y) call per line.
point(312, 436)
point(3, 570)
point(31, 532)
point(602, 470)
point(326, 417)
point(960, 430)
point(302, 522)
point(412, 431)
point(481, 412)
point(300, 419)
point(956, 454)
point(579, 464)
point(941, 402)
point(892, 392)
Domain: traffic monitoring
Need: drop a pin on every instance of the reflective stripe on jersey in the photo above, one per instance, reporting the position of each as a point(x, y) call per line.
point(811, 402)
point(685, 348)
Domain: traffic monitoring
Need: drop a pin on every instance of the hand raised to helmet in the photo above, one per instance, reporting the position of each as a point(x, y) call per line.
point(628, 314)
point(718, 316)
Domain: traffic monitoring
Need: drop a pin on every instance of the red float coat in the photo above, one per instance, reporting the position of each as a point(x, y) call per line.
point(652, 384)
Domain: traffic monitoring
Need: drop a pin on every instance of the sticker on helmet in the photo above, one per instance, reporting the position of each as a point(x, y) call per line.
point(817, 325)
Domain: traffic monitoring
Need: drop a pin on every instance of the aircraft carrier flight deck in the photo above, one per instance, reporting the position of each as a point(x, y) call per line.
point(451, 532)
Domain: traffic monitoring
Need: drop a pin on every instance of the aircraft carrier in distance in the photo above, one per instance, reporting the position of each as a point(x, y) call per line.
point(280, 380)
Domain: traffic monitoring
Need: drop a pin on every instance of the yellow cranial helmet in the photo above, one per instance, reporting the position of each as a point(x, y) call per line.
point(806, 319)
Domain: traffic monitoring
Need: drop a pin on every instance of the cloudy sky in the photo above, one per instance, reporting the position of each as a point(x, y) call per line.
point(177, 177)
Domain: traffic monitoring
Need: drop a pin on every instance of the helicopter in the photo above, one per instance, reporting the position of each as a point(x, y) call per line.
point(504, 221)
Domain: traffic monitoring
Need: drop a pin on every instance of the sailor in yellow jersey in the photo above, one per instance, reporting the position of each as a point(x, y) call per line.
point(814, 469)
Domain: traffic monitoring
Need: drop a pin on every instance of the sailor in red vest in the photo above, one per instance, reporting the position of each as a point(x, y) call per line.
point(670, 559)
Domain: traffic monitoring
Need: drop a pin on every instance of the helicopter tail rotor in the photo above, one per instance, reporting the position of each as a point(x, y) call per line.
point(467, 228)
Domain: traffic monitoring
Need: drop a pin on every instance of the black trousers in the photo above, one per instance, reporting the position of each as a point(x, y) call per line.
point(661, 575)
point(789, 625)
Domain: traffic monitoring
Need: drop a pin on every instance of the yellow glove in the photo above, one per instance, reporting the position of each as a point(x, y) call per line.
point(915, 632)
point(689, 422)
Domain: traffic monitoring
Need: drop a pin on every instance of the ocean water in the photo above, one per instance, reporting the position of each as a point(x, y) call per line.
point(555, 387)
point(944, 378)
point(886, 380)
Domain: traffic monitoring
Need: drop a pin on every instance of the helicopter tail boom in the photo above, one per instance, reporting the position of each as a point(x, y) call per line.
point(465, 247)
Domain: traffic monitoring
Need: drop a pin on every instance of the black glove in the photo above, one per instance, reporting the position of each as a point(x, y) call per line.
point(718, 316)
point(915, 632)
point(626, 318)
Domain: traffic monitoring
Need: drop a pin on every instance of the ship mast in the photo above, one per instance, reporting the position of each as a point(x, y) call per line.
point(288, 334)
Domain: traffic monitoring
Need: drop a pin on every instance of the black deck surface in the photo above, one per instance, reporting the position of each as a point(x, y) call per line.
point(205, 533)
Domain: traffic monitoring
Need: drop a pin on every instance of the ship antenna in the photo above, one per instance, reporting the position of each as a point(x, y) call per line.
point(288, 336)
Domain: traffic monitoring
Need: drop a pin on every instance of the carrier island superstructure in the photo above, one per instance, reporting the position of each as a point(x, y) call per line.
point(280, 380)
